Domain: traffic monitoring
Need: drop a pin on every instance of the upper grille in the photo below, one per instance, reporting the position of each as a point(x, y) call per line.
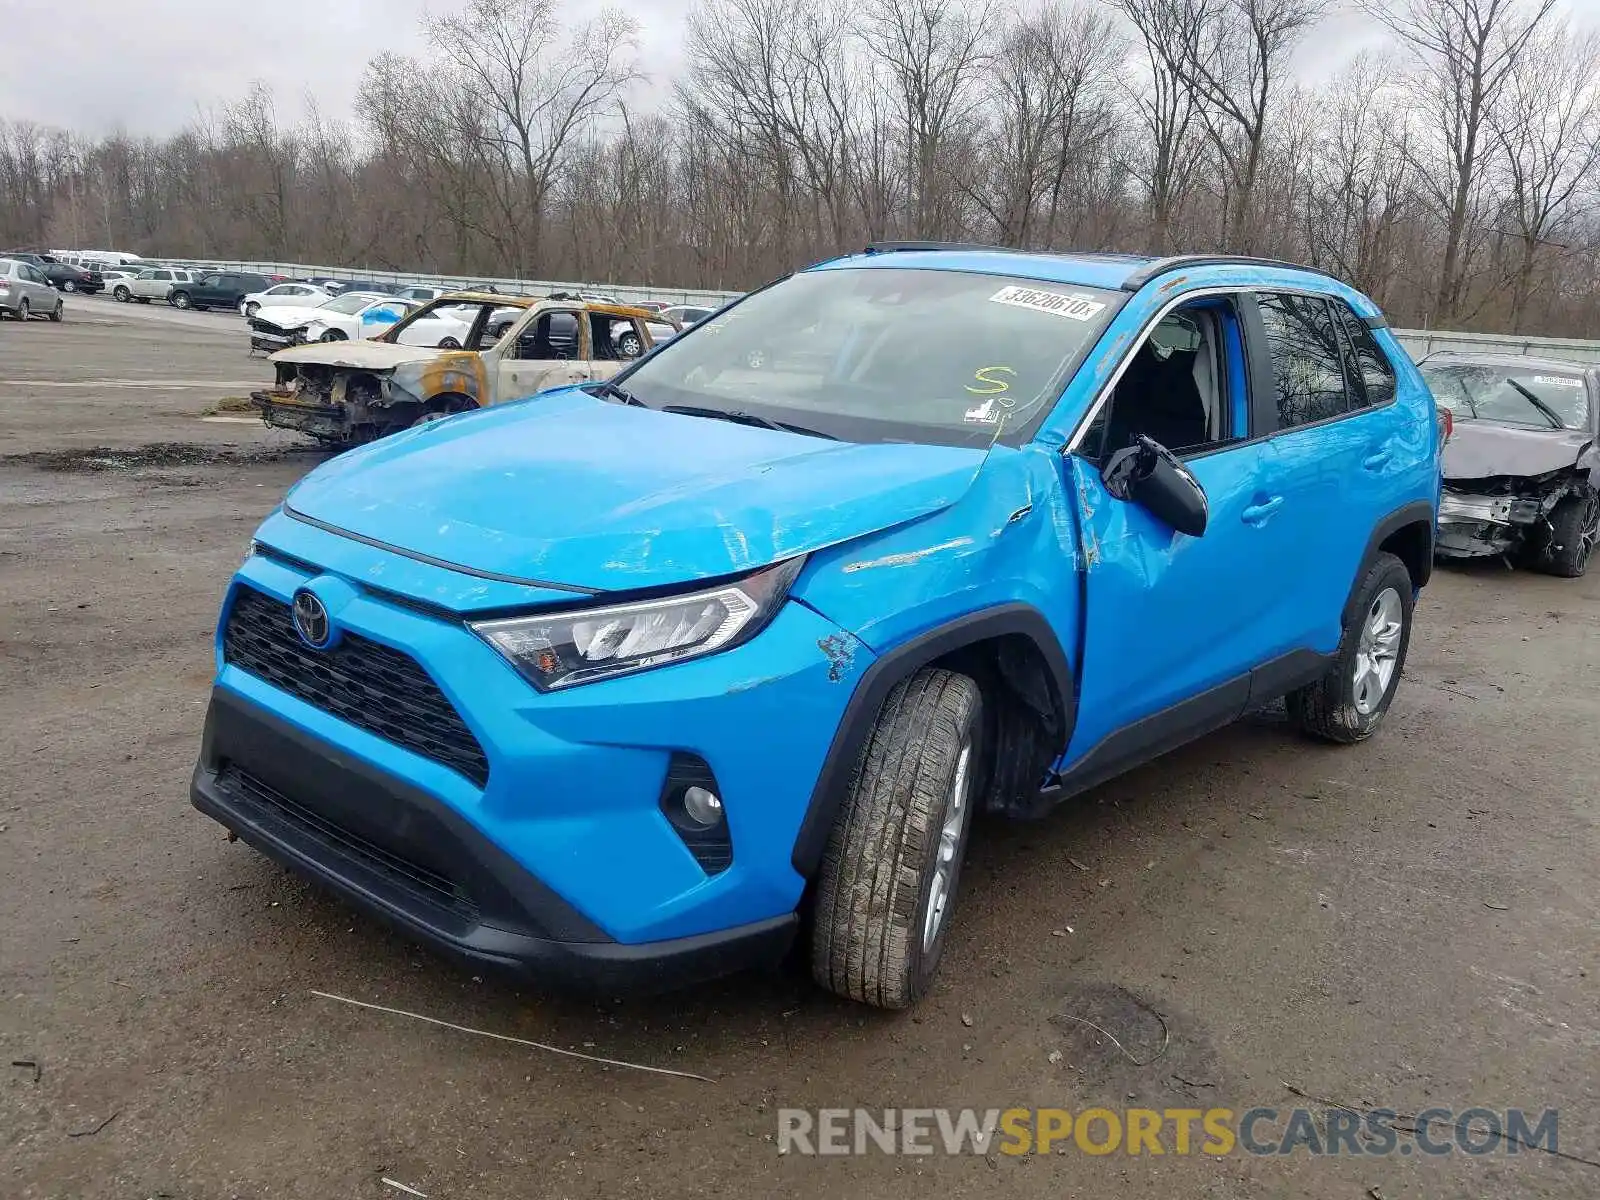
point(382, 690)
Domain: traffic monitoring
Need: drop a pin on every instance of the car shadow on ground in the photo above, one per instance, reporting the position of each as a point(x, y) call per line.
point(1030, 866)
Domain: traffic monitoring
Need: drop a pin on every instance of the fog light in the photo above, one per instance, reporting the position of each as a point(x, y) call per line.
point(702, 807)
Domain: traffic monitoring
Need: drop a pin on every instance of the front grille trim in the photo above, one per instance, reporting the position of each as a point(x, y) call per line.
point(374, 687)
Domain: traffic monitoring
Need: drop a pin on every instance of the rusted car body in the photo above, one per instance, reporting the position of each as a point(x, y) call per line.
point(348, 392)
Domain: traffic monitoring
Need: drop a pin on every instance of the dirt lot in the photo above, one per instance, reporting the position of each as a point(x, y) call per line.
point(1409, 923)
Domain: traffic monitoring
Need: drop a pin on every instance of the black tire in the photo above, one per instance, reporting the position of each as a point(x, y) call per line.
point(121, 294)
point(22, 309)
point(876, 885)
point(1572, 535)
point(68, 285)
point(180, 300)
point(60, 311)
point(448, 343)
point(629, 345)
point(251, 309)
point(333, 335)
point(1330, 708)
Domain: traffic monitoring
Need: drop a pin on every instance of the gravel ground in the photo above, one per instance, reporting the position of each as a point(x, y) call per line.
point(1408, 923)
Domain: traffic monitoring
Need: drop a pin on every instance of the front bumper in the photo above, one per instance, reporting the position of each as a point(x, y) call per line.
point(402, 855)
point(282, 408)
point(565, 804)
point(1472, 526)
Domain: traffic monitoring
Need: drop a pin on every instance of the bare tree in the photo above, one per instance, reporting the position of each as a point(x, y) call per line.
point(535, 89)
point(1547, 127)
point(1467, 50)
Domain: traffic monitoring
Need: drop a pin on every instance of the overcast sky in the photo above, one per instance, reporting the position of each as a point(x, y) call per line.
point(147, 66)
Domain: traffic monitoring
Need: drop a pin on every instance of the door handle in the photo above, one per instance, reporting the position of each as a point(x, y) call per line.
point(1378, 459)
point(1257, 514)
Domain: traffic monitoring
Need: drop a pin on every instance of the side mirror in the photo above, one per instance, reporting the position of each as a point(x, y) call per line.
point(1150, 476)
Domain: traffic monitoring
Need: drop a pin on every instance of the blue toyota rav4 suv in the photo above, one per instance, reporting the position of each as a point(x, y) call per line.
point(634, 682)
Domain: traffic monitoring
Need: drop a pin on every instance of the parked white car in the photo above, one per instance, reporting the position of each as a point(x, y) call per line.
point(153, 283)
point(286, 324)
point(297, 295)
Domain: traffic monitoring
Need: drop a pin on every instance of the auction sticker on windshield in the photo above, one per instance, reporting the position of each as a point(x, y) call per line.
point(1077, 307)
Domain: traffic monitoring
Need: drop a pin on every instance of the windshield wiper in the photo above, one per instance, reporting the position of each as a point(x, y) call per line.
point(740, 417)
point(1550, 414)
point(606, 388)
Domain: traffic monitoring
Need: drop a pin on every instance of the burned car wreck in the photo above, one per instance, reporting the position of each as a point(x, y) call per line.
point(1520, 469)
point(456, 353)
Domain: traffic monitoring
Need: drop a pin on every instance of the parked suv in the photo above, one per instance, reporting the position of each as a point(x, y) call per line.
point(26, 292)
point(151, 283)
point(217, 289)
point(632, 682)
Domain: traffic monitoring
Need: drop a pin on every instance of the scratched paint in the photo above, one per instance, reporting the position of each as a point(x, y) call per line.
point(908, 558)
point(840, 649)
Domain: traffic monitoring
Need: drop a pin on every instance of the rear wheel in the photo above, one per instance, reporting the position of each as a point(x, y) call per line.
point(630, 346)
point(22, 309)
point(1349, 702)
point(1572, 536)
point(68, 285)
point(888, 881)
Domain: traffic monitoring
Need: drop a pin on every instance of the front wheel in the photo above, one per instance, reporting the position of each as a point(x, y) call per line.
point(122, 294)
point(630, 346)
point(333, 335)
point(251, 309)
point(1573, 524)
point(449, 343)
point(1349, 702)
point(60, 311)
point(181, 300)
point(888, 881)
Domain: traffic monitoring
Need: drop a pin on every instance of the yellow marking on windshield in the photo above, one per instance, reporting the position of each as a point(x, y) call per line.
point(993, 386)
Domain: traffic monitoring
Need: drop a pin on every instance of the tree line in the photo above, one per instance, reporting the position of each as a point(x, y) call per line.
point(1453, 175)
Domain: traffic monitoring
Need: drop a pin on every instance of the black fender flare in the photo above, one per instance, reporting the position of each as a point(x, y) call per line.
point(1414, 512)
point(879, 680)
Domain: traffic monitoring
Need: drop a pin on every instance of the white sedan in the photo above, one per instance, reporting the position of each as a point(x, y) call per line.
point(286, 325)
point(297, 295)
point(444, 329)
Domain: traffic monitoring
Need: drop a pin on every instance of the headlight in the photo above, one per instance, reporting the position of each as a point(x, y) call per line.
point(561, 649)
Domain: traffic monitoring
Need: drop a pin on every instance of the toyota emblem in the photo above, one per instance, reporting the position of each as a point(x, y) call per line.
point(311, 620)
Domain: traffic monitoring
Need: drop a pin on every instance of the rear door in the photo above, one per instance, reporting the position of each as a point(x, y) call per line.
point(1334, 454)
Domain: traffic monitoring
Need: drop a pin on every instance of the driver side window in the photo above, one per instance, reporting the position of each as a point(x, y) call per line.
point(1183, 387)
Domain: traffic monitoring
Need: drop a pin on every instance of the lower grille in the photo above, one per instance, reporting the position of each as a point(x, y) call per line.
point(372, 686)
point(417, 880)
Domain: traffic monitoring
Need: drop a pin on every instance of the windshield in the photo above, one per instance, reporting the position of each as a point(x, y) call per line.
point(1536, 397)
point(885, 354)
point(348, 304)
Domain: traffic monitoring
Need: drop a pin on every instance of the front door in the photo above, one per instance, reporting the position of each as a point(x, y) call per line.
point(550, 350)
point(1173, 624)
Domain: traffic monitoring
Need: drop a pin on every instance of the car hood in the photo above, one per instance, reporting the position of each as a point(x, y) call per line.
point(371, 356)
point(290, 315)
point(1481, 449)
point(569, 490)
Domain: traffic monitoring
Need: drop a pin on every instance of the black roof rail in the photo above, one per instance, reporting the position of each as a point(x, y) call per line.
point(1179, 262)
point(894, 247)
